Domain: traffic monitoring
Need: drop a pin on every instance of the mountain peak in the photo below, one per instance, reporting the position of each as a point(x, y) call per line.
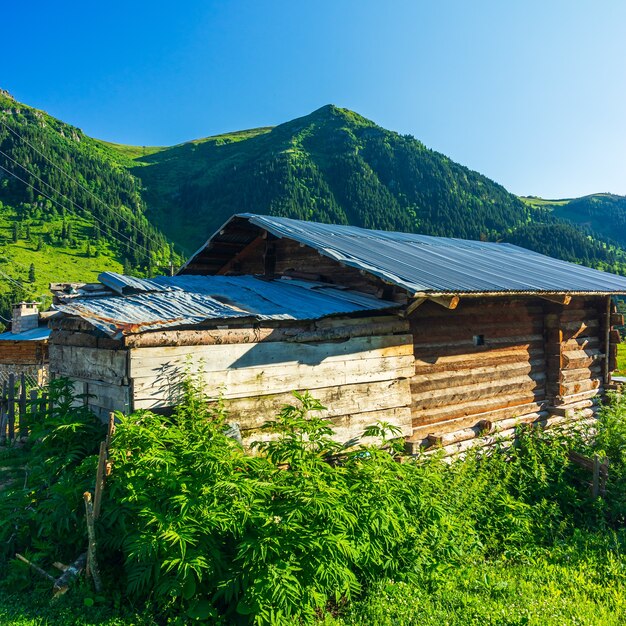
point(332, 111)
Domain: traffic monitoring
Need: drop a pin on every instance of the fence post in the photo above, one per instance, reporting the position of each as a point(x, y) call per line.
point(11, 401)
point(34, 405)
point(3, 414)
point(22, 407)
point(595, 485)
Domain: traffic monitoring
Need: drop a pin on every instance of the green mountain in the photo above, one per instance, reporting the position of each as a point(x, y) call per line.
point(603, 213)
point(336, 166)
point(69, 207)
point(94, 205)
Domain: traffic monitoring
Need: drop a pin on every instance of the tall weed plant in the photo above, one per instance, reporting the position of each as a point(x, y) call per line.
point(194, 524)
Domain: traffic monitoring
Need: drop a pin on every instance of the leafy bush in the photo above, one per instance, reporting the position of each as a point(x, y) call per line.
point(41, 509)
point(194, 524)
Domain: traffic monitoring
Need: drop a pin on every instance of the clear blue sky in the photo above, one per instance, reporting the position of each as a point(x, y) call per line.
point(530, 93)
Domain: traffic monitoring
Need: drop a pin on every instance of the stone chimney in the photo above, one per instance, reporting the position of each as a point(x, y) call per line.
point(25, 317)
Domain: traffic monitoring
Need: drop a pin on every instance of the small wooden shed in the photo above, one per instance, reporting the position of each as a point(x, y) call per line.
point(446, 339)
point(24, 348)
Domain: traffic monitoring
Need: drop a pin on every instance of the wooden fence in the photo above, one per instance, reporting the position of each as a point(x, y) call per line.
point(21, 400)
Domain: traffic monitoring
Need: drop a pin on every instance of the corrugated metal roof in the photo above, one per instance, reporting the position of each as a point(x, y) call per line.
point(170, 301)
point(127, 284)
point(34, 334)
point(425, 264)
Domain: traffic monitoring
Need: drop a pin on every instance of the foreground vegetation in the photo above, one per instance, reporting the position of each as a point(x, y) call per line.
point(195, 528)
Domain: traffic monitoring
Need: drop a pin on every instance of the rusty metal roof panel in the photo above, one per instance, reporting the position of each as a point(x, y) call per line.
point(187, 300)
point(425, 264)
point(119, 283)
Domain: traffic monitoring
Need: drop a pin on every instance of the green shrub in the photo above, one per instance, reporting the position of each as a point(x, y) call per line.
point(195, 525)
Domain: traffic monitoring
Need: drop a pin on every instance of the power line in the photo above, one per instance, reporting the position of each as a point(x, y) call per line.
point(68, 199)
point(86, 189)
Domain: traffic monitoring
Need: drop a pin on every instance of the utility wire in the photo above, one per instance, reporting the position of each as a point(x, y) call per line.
point(86, 189)
point(88, 215)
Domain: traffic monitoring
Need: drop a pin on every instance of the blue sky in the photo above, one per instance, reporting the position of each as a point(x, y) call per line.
point(529, 93)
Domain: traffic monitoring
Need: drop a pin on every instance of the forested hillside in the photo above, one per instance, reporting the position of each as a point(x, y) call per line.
point(68, 207)
point(336, 166)
point(71, 206)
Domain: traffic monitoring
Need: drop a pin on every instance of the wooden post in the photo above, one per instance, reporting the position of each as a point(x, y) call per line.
point(42, 404)
point(11, 401)
point(110, 430)
point(97, 498)
point(22, 407)
point(50, 405)
point(3, 414)
point(34, 405)
point(38, 569)
point(62, 583)
point(595, 485)
point(91, 549)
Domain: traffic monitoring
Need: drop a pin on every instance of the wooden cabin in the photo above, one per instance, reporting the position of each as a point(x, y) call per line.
point(24, 348)
point(449, 340)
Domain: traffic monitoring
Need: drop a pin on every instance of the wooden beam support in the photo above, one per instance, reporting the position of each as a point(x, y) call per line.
point(564, 299)
point(251, 247)
point(413, 306)
point(448, 302)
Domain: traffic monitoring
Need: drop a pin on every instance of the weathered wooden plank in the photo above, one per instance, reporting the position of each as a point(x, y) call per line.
point(150, 361)
point(505, 436)
point(576, 397)
point(580, 386)
point(74, 338)
point(581, 343)
point(574, 359)
point(11, 406)
point(89, 363)
point(582, 373)
point(457, 436)
point(460, 423)
point(435, 363)
point(104, 396)
point(252, 412)
point(348, 427)
point(494, 334)
point(450, 396)
point(256, 381)
point(495, 371)
point(339, 329)
point(444, 348)
point(431, 416)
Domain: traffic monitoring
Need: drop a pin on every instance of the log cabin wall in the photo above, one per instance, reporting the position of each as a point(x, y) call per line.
point(358, 368)
point(479, 367)
point(96, 364)
point(578, 338)
point(23, 353)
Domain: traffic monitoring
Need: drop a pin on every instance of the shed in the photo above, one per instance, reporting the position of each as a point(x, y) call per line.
point(447, 339)
point(24, 348)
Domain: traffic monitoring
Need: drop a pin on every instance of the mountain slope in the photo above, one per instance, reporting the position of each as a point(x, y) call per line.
point(336, 166)
point(98, 205)
point(332, 165)
point(603, 213)
point(68, 204)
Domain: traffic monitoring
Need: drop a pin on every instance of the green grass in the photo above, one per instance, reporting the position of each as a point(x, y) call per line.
point(53, 263)
point(131, 152)
point(538, 593)
point(39, 609)
point(621, 360)
point(535, 202)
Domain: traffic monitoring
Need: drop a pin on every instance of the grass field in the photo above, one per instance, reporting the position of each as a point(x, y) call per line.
point(621, 360)
point(545, 589)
